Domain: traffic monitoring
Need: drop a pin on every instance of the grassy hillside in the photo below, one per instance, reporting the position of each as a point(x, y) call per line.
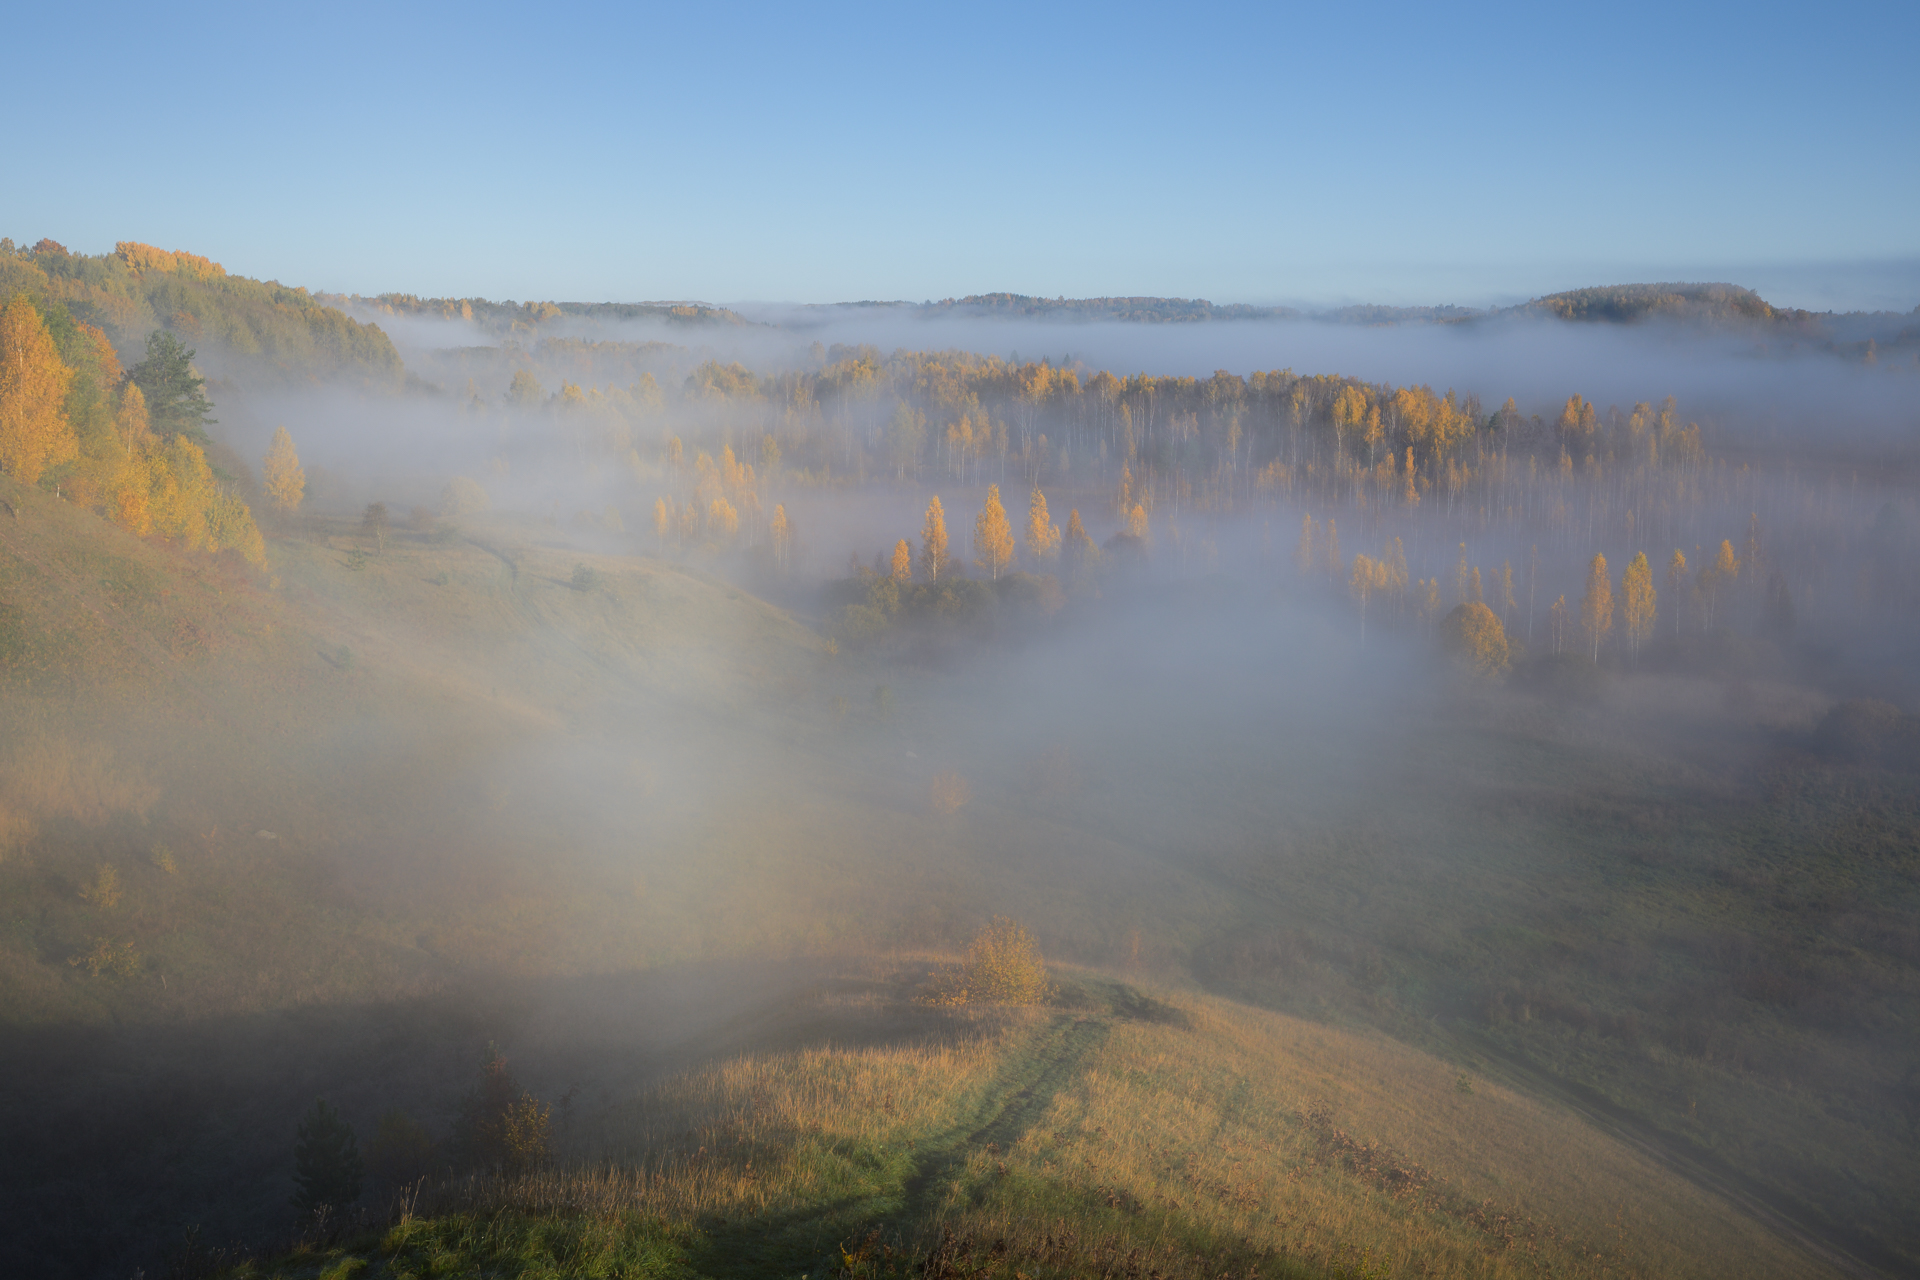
point(390, 799)
point(1114, 1132)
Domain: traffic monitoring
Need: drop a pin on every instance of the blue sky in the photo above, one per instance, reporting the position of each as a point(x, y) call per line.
point(817, 153)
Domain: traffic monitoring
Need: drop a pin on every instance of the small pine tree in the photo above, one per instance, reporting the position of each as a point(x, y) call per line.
point(327, 1169)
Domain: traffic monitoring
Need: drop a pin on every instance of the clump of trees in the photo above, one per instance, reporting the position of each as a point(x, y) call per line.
point(501, 1127)
point(127, 444)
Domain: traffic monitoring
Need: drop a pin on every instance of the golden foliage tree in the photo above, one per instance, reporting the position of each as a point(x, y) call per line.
point(1043, 538)
point(1596, 605)
point(1718, 576)
point(1369, 575)
point(1676, 578)
point(130, 422)
point(1078, 550)
point(901, 570)
point(285, 481)
point(992, 535)
point(949, 793)
point(1472, 633)
point(722, 520)
point(129, 486)
point(1137, 522)
point(782, 535)
point(1636, 585)
point(933, 542)
point(34, 432)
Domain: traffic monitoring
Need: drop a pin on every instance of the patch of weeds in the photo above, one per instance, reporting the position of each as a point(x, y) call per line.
point(109, 958)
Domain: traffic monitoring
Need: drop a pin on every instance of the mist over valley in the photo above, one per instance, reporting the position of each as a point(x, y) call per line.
point(1001, 787)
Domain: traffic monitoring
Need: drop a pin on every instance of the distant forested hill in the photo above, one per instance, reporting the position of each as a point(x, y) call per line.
point(1626, 303)
point(1137, 310)
point(250, 331)
point(509, 319)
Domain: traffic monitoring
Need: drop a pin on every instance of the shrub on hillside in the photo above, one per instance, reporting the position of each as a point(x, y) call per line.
point(1003, 966)
point(463, 497)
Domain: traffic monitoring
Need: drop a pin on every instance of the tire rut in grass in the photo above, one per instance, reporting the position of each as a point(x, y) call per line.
point(1013, 1108)
point(792, 1242)
point(1849, 1252)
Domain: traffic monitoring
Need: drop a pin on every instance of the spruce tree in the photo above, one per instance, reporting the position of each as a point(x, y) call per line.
point(327, 1169)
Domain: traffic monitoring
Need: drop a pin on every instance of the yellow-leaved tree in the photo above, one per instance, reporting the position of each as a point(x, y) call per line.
point(34, 432)
point(130, 487)
point(285, 481)
point(1596, 606)
point(1043, 539)
point(1369, 575)
point(1676, 578)
point(1472, 633)
point(992, 536)
point(933, 541)
point(1637, 586)
point(722, 521)
point(782, 533)
point(902, 567)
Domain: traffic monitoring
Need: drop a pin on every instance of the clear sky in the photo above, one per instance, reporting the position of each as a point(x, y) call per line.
point(1324, 153)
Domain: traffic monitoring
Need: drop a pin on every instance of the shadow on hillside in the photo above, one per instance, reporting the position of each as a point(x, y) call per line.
point(120, 1140)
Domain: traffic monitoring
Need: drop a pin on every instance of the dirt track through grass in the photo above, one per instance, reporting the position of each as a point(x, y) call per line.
point(1020, 1097)
point(1836, 1247)
point(789, 1243)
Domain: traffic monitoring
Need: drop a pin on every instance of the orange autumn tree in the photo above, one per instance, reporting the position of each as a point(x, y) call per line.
point(1043, 539)
point(933, 541)
point(34, 432)
point(1596, 606)
point(992, 536)
point(1637, 586)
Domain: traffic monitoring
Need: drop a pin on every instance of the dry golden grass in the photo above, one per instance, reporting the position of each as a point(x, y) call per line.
point(47, 776)
point(1182, 1133)
point(1322, 1144)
